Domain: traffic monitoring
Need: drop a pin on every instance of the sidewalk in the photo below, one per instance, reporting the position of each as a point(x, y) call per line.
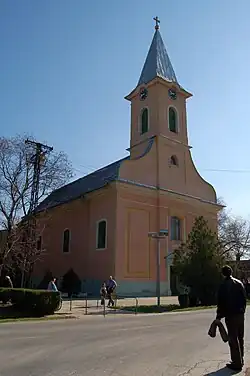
point(81, 307)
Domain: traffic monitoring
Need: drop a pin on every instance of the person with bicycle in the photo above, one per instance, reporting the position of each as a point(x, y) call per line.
point(52, 285)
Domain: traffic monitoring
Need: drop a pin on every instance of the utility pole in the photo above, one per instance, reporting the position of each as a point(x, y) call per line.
point(40, 151)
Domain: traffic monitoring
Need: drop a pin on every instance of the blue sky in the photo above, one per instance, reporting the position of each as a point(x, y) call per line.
point(66, 66)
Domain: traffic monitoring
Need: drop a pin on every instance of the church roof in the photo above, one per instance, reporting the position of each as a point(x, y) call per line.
point(89, 183)
point(78, 188)
point(157, 63)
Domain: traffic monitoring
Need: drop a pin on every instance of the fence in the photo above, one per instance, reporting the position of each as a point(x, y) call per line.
point(94, 308)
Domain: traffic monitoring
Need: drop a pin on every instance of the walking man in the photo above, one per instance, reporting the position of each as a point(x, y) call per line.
point(111, 286)
point(231, 304)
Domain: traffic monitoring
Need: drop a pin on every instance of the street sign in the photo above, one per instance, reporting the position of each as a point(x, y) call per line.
point(163, 232)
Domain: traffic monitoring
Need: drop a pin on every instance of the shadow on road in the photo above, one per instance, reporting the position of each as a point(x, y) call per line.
point(222, 372)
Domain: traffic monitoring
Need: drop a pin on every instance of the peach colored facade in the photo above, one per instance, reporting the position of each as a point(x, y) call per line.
point(149, 192)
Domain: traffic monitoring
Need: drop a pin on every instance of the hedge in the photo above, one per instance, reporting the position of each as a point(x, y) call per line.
point(32, 302)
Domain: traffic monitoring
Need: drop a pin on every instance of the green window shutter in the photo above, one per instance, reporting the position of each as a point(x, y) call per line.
point(175, 228)
point(172, 120)
point(101, 236)
point(66, 236)
point(144, 121)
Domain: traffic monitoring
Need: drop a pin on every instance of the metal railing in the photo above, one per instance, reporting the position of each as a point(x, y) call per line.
point(115, 309)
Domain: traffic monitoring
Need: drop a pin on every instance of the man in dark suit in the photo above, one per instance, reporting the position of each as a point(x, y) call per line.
point(111, 286)
point(231, 304)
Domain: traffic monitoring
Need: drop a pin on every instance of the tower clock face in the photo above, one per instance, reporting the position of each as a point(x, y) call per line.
point(172, 94)
point(143, 93)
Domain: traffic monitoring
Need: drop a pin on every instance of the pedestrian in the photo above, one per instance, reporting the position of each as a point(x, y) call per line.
point(52, 285)
point(247, 287)
point(111, 286)
point(103, 293)
point(231, 305)
point(8, 282)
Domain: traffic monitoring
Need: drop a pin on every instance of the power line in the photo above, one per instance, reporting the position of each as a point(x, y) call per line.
point(227, 170)
point(88, 170)
point(91, 168)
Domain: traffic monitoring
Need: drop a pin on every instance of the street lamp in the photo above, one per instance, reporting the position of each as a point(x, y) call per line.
point(162, 234)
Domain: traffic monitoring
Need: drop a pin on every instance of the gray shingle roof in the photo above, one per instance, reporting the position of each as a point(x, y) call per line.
point(80, 187)
point(157, 63)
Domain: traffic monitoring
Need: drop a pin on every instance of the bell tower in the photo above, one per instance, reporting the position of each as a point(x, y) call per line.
point(158, 103)
point(159, 186)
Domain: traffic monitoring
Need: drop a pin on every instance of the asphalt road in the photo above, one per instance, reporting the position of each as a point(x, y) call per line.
point(159, 345)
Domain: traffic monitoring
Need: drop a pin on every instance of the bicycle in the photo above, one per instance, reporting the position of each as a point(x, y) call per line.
point(59, 306)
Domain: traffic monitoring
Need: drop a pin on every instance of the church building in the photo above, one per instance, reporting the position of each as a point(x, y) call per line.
point(99, 225)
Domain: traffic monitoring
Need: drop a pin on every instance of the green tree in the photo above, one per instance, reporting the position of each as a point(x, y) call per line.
point(46, 279)
point(198, 262)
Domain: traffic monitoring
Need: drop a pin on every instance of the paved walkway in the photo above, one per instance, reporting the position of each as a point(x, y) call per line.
point(93, 307)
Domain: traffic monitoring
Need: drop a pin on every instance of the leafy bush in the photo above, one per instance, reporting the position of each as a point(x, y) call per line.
point(193, 300)
point(183, 300)
point(71, 283)
point(31, 302)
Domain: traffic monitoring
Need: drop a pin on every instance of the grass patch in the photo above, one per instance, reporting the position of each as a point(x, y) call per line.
point(161, 309)
point(46, 318)
point(9, 314)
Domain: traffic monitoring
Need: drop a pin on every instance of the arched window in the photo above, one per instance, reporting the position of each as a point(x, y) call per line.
point(101, 236)
point(175, 228)
point(144, 121)
point(174, 160)
point(172, 120)
point(66, 241)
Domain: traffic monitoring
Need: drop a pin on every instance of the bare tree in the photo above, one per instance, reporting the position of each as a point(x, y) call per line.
point(16, 178)
point(27, 246)
point(234, 234)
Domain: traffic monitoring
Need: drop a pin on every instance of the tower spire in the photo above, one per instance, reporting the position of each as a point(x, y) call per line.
point(157, 23)
point(157, 63)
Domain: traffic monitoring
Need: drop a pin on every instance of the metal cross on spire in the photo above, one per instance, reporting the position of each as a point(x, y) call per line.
point(157, 22)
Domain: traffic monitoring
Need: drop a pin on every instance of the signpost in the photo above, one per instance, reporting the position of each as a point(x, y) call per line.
point(162, 234)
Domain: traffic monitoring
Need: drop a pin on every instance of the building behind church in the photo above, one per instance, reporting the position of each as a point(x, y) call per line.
point(99, 224)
